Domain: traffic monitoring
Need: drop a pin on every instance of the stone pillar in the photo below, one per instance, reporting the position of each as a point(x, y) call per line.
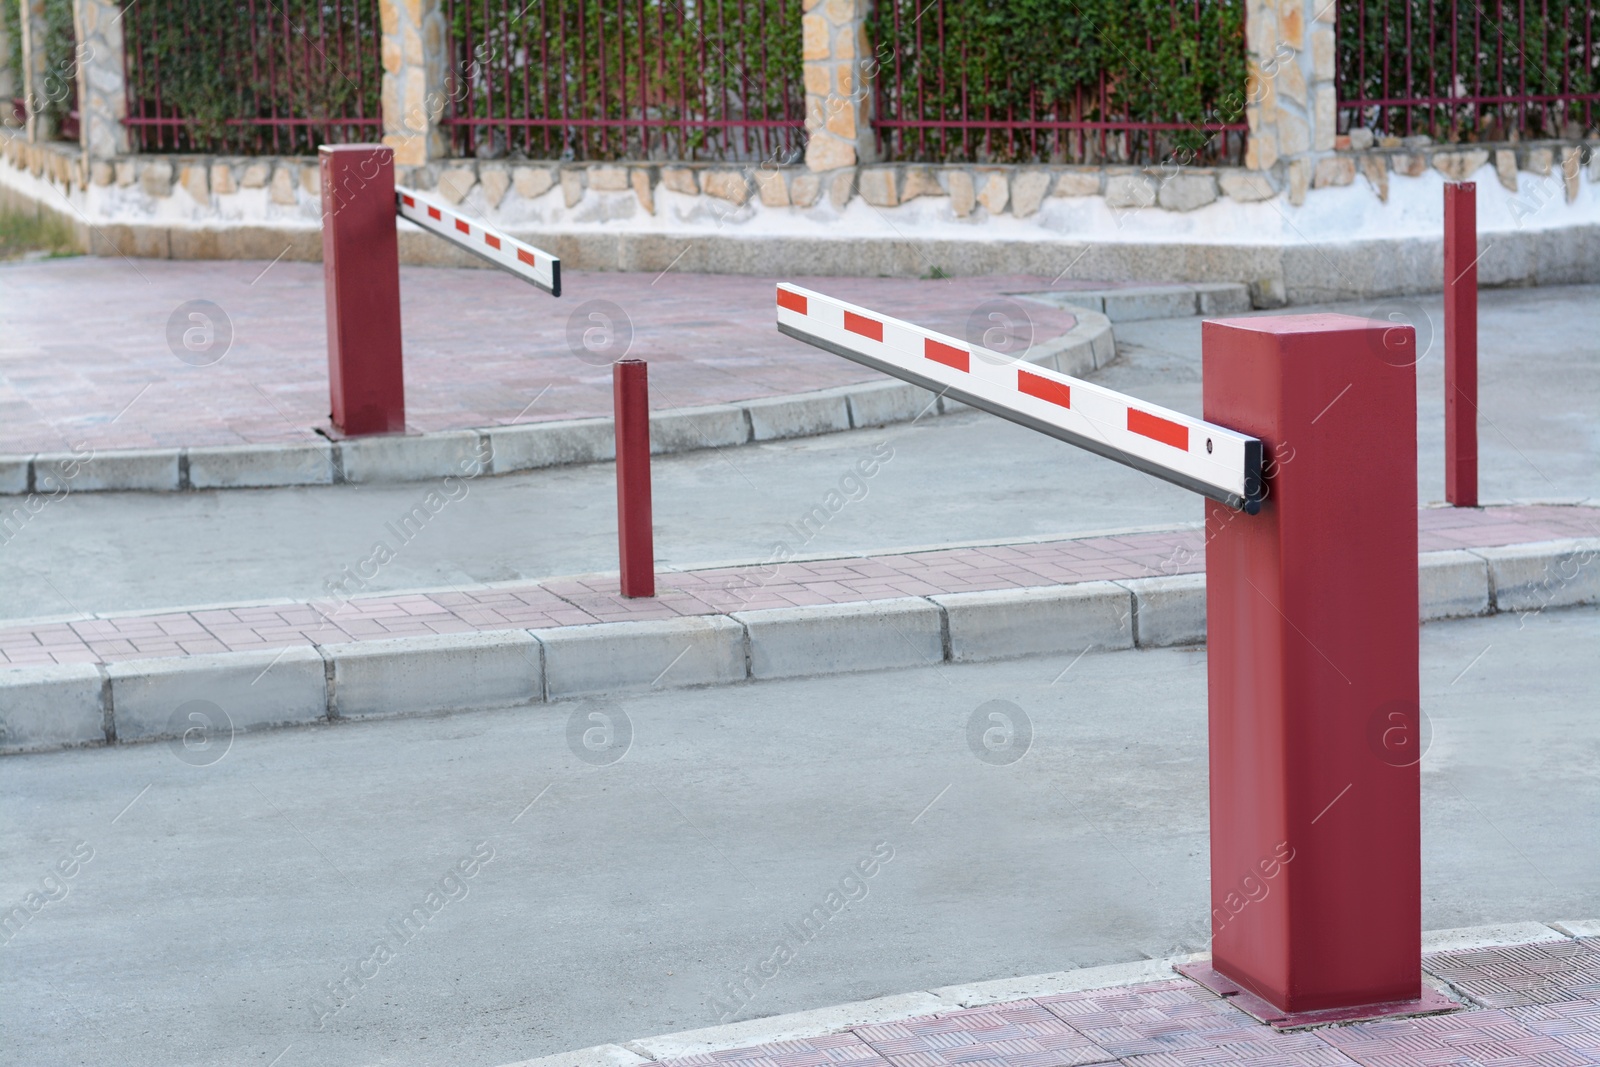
point(838, 75)
point(102, 93)
point(414, 65)
point(35, 70)
point(1291, 100)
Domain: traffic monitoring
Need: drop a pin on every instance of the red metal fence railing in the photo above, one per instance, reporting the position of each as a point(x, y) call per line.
point(251, 76)
point(1060, 80)
point(1470, 70)
point(626, 79)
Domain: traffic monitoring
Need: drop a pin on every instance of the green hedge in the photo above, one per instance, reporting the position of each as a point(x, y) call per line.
point(216, 62)
point(1030, 59)
point(59, 93)
point(11, 19)
point(1501, 49)
point(732, 58)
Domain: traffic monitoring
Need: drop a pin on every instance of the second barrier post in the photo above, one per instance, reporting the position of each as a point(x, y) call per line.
point(630, 389)
point(361, 277)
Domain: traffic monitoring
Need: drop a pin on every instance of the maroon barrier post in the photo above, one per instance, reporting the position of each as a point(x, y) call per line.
point(1461, 344)
point(361, 279)
point(630, 390)
point(1311, 623)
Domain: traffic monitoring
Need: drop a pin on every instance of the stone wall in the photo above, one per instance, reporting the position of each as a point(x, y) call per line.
point(260, 188)
point(1345, 242)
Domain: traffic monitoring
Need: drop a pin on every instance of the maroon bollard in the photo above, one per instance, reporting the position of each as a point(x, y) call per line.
point(1461, 344)
point(361, 278)
point(630, 390)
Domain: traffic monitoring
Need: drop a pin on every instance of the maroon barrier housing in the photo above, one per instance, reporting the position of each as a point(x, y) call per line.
point(1311, 631)
point(361, 277)
point(1461, 344)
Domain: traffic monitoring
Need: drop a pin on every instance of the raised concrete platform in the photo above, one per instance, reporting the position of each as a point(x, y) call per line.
point(1521, 993)
point(496, 375)
point(523, 643)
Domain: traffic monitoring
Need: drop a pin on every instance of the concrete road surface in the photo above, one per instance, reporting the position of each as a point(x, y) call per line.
point(197, 913)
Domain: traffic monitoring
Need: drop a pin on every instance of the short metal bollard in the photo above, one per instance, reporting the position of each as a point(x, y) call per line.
point(1461, 344)
point(630, 389)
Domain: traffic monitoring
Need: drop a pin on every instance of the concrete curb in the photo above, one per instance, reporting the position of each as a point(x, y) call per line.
point(532, 446)
point(821, 1022)
point(53, 707)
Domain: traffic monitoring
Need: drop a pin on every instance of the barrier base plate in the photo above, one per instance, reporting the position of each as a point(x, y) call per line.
point(1431, 1002)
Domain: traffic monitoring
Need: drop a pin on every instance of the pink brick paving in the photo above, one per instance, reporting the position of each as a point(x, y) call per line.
point(1181, 1024)
point(82, 339)
point(594, 598)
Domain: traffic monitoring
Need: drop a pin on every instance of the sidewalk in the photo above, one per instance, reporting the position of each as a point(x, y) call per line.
point(120, 677)
point(590, 599)
point(1533, 1004)
point(481, 348)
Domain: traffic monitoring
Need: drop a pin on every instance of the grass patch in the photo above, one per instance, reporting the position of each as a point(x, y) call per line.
point(48, 236)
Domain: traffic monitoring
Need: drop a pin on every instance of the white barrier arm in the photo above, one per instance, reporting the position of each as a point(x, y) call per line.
point(504, 251)
point(1197, 455)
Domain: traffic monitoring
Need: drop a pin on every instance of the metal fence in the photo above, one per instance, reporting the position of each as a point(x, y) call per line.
point(1060, 80)
point(1470, 70)
point(626, 79)
point(251, 76)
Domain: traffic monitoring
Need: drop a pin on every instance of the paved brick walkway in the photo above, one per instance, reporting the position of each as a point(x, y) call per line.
point(1532, 1005)
point(85, 356)
point(594, 598)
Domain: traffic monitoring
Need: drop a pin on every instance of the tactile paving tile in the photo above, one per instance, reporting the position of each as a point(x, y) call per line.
point(1018, 1034)
point(1163, 1017)
point(1277, 1050)
point(1471, 1039)
point(826, 1051)
point(1576, 1024)
point(1545, 972)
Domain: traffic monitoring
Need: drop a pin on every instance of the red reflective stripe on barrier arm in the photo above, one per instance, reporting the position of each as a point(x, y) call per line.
point(1158, 429)
point(864, 326)
point(949, 355)
point(1070, 409)
point(485, 241)
point(1044, 388)
point(361, 272)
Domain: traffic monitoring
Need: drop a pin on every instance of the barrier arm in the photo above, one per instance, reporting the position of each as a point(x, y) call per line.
point(531, 264)
point(1211, 460)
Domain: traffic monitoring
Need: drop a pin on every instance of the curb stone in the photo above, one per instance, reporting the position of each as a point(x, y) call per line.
point(528, 446)
point(822, 1022)
point(61, 706)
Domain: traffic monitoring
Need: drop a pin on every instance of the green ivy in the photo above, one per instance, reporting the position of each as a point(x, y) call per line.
point(1019, 60)
point(59, 95)
point(11, 19)
point(218, 62)
point(581, 59)
point(1501, 48)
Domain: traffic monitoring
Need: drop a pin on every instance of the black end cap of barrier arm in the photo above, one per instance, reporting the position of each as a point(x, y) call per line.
point(555, 277)
point(1255, 486)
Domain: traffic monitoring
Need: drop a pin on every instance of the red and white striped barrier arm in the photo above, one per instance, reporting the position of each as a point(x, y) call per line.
point(1208, 459)
point(504, 251)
